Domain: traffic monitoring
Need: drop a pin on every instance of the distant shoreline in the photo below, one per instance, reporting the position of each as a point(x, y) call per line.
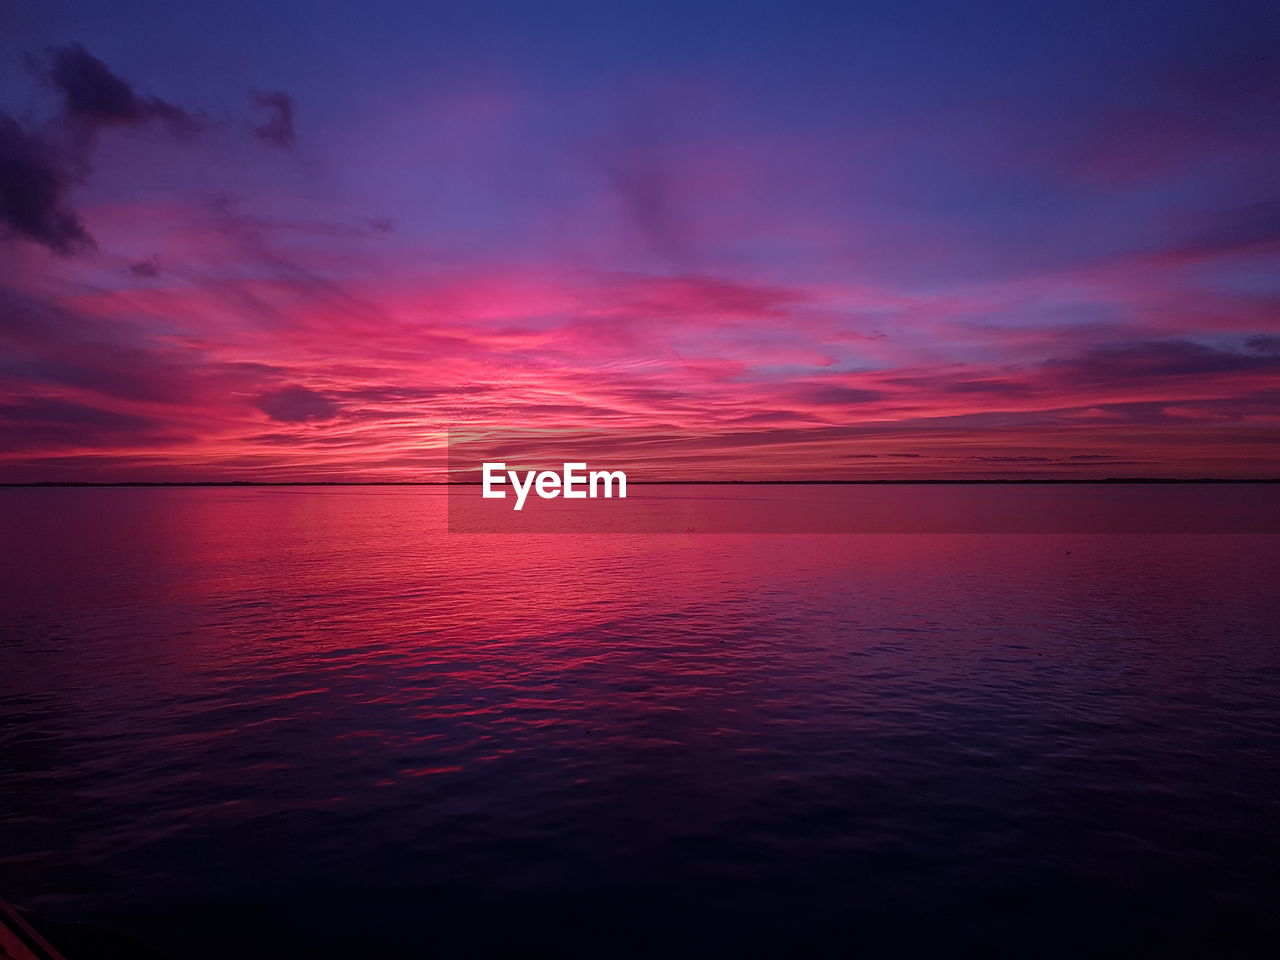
point(666, 483)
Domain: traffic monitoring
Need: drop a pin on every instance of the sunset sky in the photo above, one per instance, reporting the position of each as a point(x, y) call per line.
point(297, 241)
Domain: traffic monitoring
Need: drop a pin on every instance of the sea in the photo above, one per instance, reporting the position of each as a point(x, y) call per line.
point(313, 722)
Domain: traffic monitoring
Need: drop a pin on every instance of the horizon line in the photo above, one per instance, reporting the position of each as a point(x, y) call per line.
point(476, 483)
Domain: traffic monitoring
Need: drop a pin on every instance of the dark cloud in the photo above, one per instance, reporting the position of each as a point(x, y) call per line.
point(947, 383)
point(33, 191)
point(1267, 345)
point(308, 439)
point(1157, 358)
point(297, 405)
point(41, 423)
point(1010, 459)
point(633, 156)
point(46, 348)
point(38, 170)
point(146, 269)
point(59, 410)
point(94, 96)
point(227, 207)
point(398, 394)
point(764, 416)
point(683, 294)
point(643, 185)
point(1000, 387)
point(1252, 227)
point(125, 371)
point(838, 396)
point(276, 126)
point(1158, 413)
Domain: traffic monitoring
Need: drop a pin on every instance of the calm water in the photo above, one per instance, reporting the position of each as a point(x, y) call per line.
point(309, 723)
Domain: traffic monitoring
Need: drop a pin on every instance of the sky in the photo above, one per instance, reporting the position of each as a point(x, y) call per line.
point(302, 241)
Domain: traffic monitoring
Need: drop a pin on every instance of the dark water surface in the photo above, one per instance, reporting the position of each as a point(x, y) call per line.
point(308, 723)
